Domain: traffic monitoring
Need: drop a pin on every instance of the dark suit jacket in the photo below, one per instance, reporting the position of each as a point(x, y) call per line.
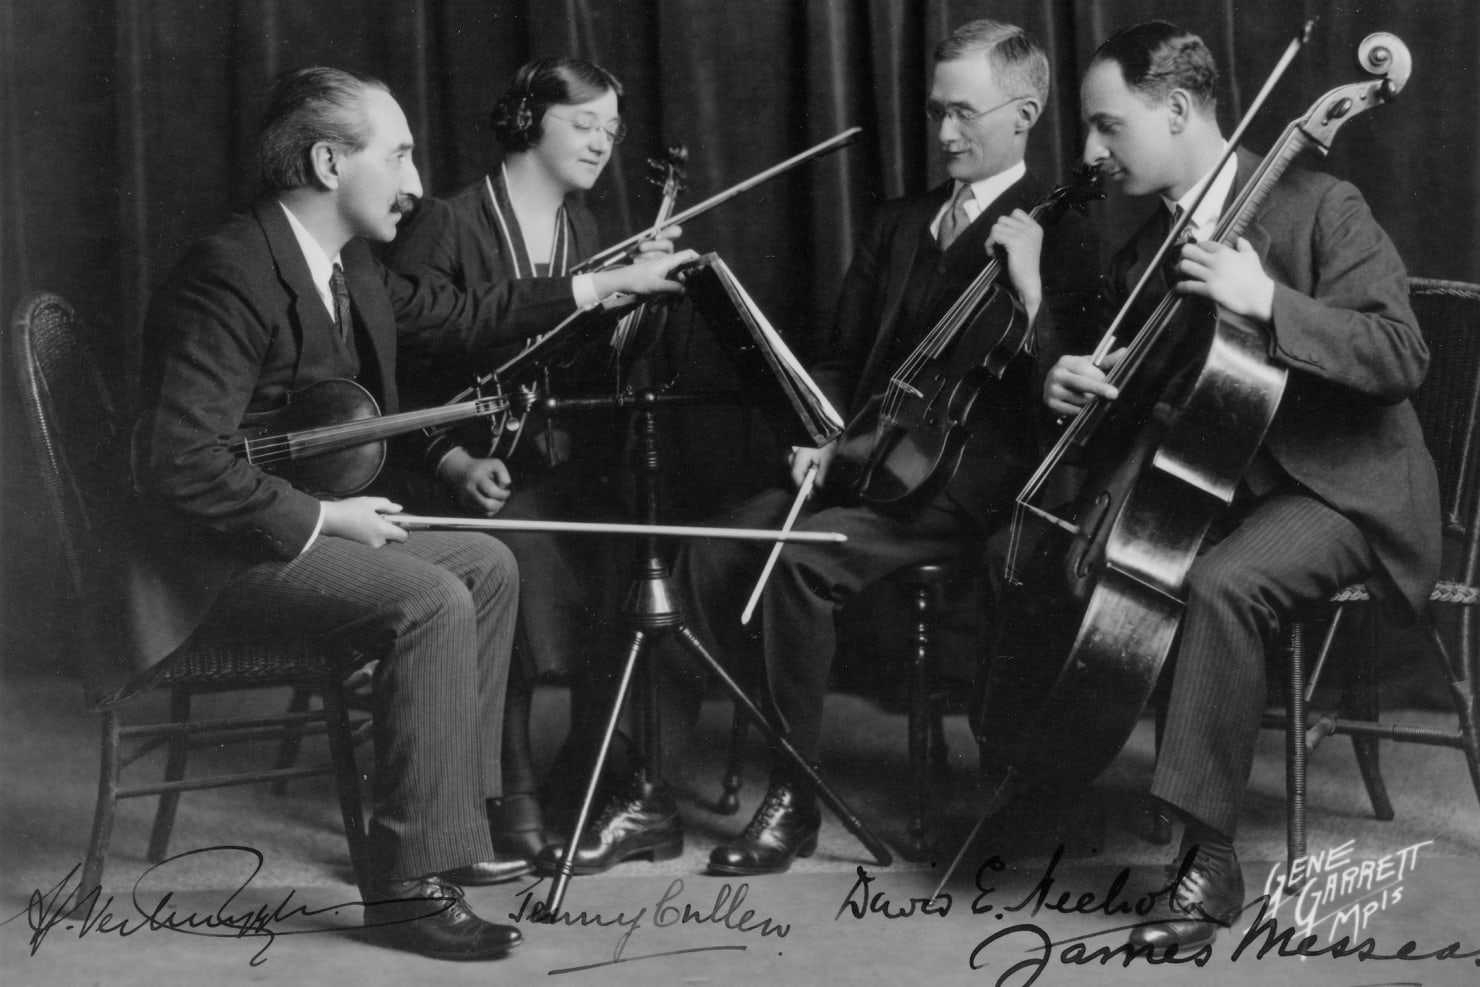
point(1343, 327)
point(876, 306)
point(459, 239)
point(235, 328)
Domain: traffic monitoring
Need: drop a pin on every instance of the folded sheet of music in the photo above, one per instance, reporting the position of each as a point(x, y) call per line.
point(770, 377)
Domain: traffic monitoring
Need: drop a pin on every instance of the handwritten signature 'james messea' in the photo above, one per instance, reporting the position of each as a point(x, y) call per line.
point(669, 910)
point(1027, 949)
point(68, 907)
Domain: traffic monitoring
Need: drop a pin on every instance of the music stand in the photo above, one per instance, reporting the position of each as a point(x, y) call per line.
point(653, 610)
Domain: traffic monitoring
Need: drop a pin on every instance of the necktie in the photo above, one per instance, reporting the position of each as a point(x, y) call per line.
point(340, 290)
point(1174, 252)
point(955, 220)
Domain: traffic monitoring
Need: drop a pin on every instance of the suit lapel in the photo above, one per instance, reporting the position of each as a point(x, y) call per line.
point(903, 250)
point(966, 256)
point(310, 317)
point(373, 315)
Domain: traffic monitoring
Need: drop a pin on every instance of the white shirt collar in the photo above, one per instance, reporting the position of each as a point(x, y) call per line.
point(320, 264)
point(1205, 220)
point(983, 194)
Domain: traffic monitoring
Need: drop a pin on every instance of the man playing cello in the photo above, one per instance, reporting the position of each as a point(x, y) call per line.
point(1342, 488)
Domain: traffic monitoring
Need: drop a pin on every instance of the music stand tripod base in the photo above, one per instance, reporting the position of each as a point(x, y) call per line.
point(653, 610)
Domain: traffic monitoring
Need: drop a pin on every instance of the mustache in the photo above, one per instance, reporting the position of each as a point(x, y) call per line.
point(404, 204)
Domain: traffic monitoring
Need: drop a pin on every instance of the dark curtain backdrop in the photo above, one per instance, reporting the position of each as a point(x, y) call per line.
point(127, 129)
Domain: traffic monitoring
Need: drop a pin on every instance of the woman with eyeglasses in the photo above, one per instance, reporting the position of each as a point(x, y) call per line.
point(523, 224)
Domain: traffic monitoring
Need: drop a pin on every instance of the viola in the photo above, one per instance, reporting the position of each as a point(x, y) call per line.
point(329, 438)
point(1099, 601)
point(910, 439)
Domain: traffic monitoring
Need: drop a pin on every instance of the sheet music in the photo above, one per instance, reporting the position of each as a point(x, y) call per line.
point(777, 383)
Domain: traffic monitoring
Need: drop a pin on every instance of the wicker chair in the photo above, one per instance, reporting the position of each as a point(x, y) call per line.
point(1448, 406)
point(73, 420)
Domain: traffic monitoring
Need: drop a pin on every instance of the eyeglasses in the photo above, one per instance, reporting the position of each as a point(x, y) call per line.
point(960, 114)
point(585, 125)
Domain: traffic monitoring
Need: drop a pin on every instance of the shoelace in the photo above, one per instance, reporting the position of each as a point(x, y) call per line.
point(1178, 899)
point(771, 807)
point(632, 802)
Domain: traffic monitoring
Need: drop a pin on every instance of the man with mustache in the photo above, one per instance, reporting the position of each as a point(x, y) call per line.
point(279, 298)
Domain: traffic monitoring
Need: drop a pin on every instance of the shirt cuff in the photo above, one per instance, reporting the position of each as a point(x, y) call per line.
point(437, 469)
point(583, 288)
point(318, 526)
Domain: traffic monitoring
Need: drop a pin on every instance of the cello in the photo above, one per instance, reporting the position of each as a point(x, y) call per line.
point(910, 439)
point(1116, 561)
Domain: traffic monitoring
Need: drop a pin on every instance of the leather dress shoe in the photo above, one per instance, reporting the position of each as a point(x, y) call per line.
point(642, 821)
point(782, 829)
point(429, 916)
point(496, 871)
point(517, 825)
point(1202, 896)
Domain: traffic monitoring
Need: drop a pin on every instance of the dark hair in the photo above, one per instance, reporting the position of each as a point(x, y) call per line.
point(518, 115)
point(304, 107)
point(1018, 62)
point(1157, 57)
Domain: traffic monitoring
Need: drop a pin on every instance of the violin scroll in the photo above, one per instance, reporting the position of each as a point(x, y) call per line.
point(667, 172)
point(1386, 55)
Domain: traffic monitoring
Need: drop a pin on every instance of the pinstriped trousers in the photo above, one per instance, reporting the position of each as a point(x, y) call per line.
point(438, 611)
point(1275, 556)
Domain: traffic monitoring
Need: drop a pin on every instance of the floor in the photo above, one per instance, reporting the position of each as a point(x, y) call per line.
point(258, 890)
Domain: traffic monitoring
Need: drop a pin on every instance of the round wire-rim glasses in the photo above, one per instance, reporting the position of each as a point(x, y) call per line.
point(615, 133)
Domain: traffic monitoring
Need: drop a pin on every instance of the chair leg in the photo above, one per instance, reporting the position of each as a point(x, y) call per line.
point(346, 774)
point(102, 827)
point(174, 770)
point(1461, 690)
point(292, 741)
point(1362, 694)
point(1295, 749)
point(919, 719)
point(729, 801)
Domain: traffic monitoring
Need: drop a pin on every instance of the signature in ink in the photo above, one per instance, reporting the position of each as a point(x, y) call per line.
point(860, 902)
point(68, 907)
point(1264, 938)
point(669, 910)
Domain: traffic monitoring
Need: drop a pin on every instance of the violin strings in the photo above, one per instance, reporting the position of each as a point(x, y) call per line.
point(275, 448)
point(947, 329)
point(1228, 229)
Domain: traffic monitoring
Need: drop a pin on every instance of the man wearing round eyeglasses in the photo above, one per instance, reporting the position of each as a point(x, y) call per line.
point(916, 258)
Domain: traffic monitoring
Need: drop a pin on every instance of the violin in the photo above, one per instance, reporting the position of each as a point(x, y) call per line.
point(329, 438)
point(584, 324)
point(667, 172)
point(1103, 592)
point(910, 439)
